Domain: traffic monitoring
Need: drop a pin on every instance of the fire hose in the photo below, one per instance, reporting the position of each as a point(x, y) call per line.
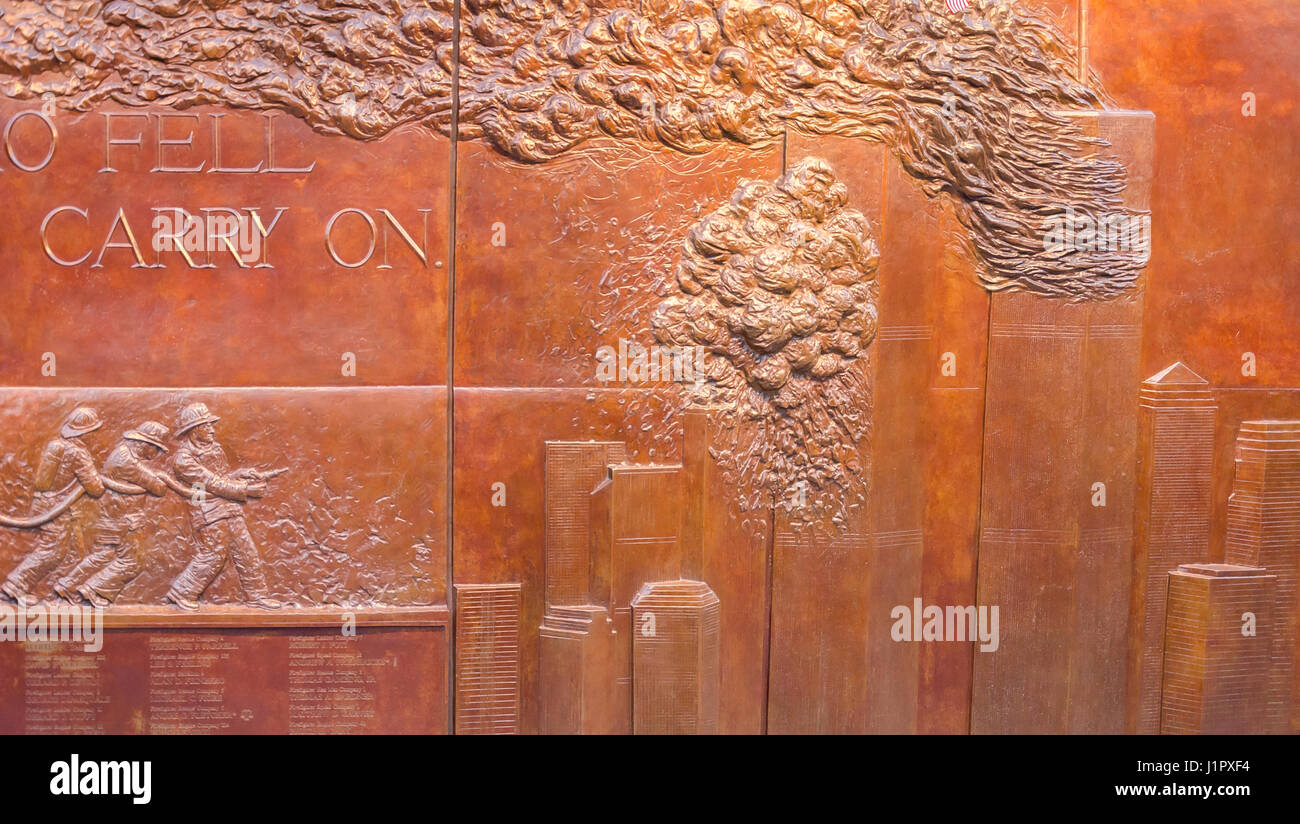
point(43, 518)
point(70, 497)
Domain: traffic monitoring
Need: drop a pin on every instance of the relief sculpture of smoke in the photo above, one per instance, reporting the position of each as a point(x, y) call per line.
point(779, 288)
point(969, 103)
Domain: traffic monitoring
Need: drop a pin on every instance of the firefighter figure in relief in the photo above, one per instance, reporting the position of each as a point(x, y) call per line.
point(216, 513)
point(112, 563)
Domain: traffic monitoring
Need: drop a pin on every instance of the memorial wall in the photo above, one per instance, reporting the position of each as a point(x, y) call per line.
point(618, 367)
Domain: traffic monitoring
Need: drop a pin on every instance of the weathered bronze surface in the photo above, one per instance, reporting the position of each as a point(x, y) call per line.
point(234, 674)
point(539, 79)
point(312, 497)
point(614, 367)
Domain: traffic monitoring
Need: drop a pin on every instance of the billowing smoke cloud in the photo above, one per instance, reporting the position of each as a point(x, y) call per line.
point(967, 102)
point(779, 287)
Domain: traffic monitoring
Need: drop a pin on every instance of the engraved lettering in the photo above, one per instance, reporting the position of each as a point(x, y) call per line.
point(329, 238)
point(45, 240)
point(164, 142)
point(49, 153)
point(110, 141)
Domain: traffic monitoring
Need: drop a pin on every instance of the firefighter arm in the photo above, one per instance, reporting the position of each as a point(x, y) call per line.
point(213, 483)
point(153, 482)
point(87, 475)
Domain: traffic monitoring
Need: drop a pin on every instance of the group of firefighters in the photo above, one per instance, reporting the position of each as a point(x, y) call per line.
point(200, 473)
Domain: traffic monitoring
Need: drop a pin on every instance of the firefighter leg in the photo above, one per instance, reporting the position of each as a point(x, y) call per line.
point(41, 561)
point(100, 555)
point(109, 581)
point(248, 564)
point(204, 566)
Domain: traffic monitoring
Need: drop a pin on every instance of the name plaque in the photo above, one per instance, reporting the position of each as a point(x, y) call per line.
point(235, 671)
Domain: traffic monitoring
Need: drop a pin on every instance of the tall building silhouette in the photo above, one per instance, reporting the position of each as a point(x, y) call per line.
point(636, 521)
point(577, 673)
point(732, 557)
point(487, 658)
point(675, 658)
point(573, 469)
point(821, 609)
point(1060, 434)
point(1176, 415)
point(1264, 530)
point(1218, 650)
point(628, 642)
point(577, 634)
